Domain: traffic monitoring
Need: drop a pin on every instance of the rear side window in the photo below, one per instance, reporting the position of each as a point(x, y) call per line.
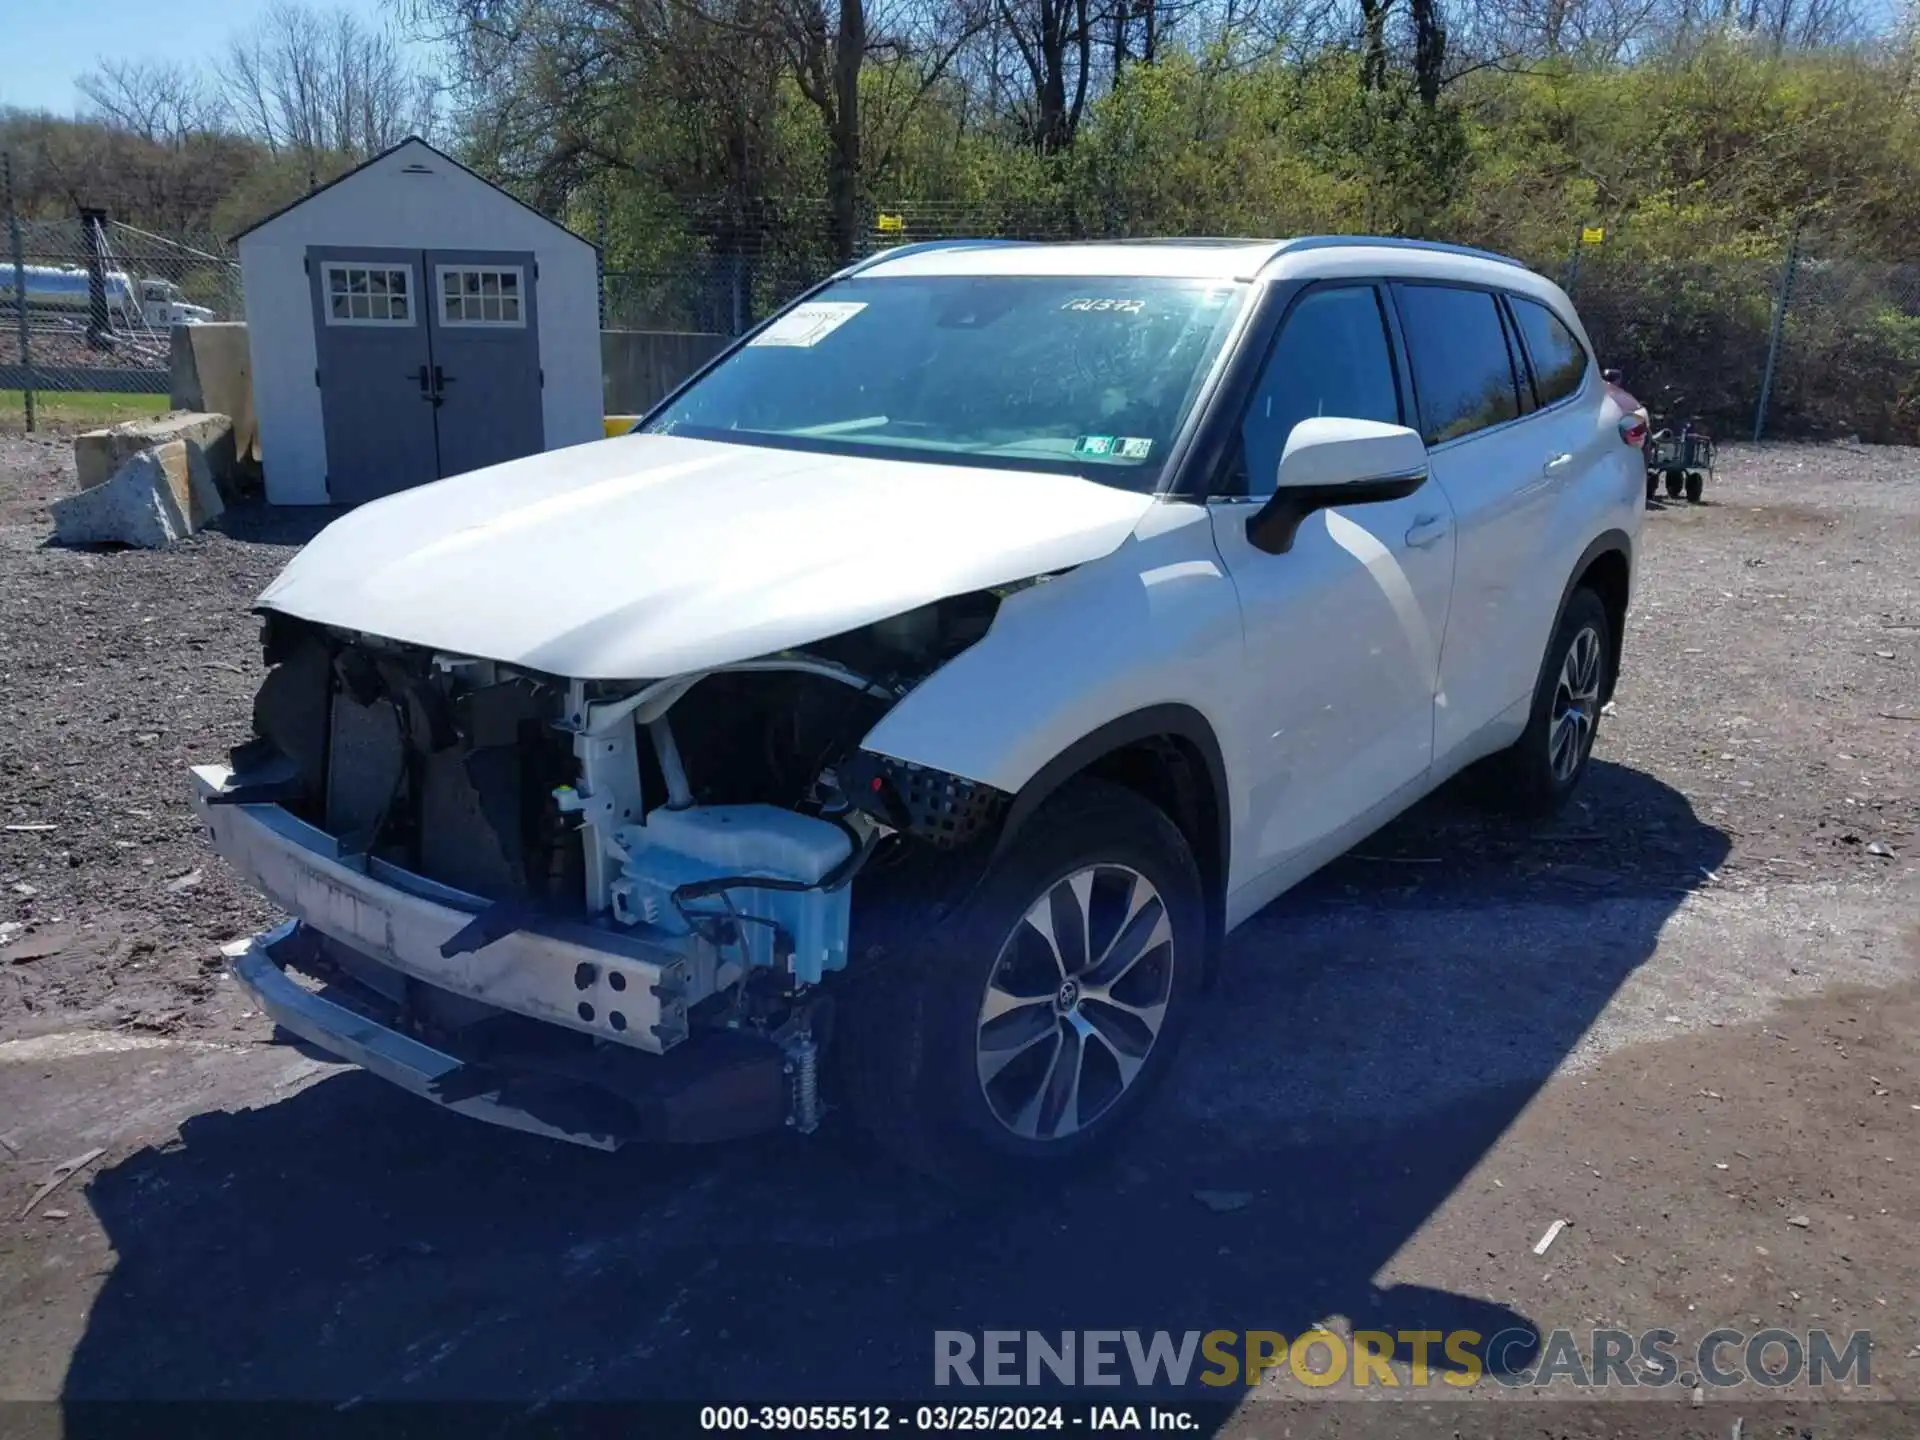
point(1559, 364)
point(1461, 368)
point(1332, 358)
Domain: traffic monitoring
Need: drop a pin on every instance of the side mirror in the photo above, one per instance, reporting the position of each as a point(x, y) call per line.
point(1613, 377)
point(1330, 461)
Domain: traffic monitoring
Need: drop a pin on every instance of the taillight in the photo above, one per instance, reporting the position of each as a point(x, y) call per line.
point(1633, 430)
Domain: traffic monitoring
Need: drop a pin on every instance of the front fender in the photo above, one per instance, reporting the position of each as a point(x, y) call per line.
point(1155, 623)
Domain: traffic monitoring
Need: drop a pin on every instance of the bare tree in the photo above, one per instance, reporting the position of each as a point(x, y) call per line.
point(156, 100)
point(324, 85)
point(828, 53)
point(1429, 49)
point(1054, 40)
point(1373, 42)
point(1250, 31)
point(1805, 24)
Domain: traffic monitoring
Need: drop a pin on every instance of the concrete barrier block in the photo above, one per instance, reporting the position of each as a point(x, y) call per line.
point(213, 371)
point(158, 496)
point(98, 455)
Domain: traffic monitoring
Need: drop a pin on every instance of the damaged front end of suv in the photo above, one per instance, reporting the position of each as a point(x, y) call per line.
point(598, 910)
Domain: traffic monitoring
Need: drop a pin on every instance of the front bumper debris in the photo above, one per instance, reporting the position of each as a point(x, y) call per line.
point(611, 986)
point(719, 1086)
point(373, 1047)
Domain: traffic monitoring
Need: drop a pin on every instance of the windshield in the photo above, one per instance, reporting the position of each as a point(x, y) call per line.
point(1083, 376)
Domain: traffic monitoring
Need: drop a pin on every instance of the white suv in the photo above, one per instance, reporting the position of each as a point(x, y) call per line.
point(902, 716)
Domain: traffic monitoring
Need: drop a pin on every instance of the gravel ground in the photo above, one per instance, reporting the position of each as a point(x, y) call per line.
point(1680, 1017)
point(117, 671)
point(1771, 681)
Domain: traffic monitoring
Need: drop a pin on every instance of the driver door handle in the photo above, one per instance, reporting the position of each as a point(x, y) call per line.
point(1427, 530)
point(1557, 465)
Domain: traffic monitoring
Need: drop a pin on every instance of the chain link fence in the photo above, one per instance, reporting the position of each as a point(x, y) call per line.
point(1809, 342)
point(88, 303)
point(1849, 350)
point(1691, 337)
point(1802, 340)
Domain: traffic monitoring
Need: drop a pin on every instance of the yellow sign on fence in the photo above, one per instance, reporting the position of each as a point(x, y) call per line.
point(892, 224)
point(1592, 234)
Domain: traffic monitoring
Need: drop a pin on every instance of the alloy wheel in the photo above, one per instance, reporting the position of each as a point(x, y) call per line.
point(1576, 705)
point(1075, 1002)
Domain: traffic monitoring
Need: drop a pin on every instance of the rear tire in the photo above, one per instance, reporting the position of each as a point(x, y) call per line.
point(1675, 481)
point(1541, 770)
point(1696, 482)
point(956, 1055)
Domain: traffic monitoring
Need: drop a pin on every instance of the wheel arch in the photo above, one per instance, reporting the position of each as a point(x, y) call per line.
point(1169, 755)
point(1606, 568)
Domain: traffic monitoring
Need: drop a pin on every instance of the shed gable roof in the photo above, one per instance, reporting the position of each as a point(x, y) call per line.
point(414, 142)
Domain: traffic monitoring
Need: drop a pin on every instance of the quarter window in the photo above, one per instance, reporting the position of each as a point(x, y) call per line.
point(1559, 362)
point(1462, 370)
point(480, 295)
point(369, 294)
point(1332, 358)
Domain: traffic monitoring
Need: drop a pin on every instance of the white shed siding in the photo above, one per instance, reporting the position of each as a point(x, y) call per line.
point(286, 402)
point(382, 207)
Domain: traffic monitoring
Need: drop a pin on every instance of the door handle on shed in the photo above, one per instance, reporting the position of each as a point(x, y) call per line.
point(1427, 530)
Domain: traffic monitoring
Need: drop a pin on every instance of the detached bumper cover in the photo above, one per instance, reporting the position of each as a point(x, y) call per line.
point(377, 1049)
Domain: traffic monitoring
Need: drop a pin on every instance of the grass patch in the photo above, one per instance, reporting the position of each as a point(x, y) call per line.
point(77, 407)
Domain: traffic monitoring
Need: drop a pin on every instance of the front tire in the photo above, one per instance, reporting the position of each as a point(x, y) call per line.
point(1537, 775)
point(1023, 1036)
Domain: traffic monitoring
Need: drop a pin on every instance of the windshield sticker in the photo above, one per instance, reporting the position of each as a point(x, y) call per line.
point(1133, 447)
point(807, 325)
point(1089, 304)
point(1093, 445)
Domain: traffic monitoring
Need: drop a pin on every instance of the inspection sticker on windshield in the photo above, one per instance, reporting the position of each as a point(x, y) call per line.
point(809, 324)
point(1120, 447)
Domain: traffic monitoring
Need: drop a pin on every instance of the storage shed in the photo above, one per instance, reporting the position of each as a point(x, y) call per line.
point(410, 321)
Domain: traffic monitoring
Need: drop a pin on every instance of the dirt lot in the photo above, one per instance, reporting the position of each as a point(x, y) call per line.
point(1682, 1018)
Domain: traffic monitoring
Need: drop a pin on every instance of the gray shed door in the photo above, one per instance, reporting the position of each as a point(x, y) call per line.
point(375, 373)
point(487, 353)
point(429, 364)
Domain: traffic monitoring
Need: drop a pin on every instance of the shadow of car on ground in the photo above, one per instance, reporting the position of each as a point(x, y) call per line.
point(1373, 1035)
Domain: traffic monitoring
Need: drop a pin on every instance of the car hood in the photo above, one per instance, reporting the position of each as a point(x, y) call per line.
point(647, 556)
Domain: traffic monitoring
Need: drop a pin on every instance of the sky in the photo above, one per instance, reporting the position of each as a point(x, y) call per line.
point(44, 44)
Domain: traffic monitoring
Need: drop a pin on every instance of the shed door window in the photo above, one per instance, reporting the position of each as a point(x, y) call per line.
point(481, 295)
point(369, 294)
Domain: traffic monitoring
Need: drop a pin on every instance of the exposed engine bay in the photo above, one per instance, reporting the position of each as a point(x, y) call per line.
point(718, 821)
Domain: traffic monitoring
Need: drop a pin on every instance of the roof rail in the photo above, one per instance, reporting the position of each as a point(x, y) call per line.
point(1440, 247)
point(916, 247)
